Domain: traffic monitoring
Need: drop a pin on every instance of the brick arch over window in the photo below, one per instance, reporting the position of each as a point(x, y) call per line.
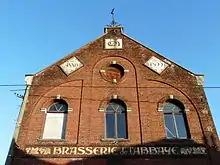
point(173, 97)
point(41, 101)
point(104, 102)
point(55, 122)
point(176, 125)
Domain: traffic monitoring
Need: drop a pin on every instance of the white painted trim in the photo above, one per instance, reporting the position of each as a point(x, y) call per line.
point(114, 96)
point(114, 80)
point(171, 96)
point(114, 62)
point(200, 80)
point(58, 97)
point(28, 79)
point(43, 110)
point(101, 109)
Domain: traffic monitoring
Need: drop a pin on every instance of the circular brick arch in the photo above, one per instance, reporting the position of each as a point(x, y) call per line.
point(36, 117)
point(159, 95)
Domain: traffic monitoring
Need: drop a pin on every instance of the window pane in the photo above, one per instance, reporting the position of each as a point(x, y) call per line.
point(58, 107)
point(169, 124)
point(61, 107)
point(180, 126)
point(110, 125)
point(168, 107)
point(54, 126)
point(115, 107)
point(110, 108)
point(52, 108)
point(121, 109)
point(177, 109)
point(121, 125)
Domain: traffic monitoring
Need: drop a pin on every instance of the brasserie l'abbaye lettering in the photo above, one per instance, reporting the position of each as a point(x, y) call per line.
point(116, 150)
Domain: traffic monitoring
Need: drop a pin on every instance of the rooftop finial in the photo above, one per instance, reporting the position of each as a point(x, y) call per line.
point(113, 22)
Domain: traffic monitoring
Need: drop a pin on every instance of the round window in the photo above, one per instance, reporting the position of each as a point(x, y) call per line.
point(113, 73)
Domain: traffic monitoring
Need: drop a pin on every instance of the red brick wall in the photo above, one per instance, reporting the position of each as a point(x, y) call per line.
point(86, 91)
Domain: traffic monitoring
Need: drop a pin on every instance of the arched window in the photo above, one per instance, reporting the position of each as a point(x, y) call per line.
point(55, 124)
point(175, 120)
point(116, 120)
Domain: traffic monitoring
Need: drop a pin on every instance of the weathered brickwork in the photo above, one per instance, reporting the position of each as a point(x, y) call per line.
point(144, 91)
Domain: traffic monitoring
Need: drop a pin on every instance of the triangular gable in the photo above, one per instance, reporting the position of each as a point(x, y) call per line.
point(76, 63)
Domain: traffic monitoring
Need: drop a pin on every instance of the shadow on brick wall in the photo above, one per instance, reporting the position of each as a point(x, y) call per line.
point(211, 157)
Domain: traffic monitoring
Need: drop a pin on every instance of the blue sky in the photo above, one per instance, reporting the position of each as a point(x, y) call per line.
point(34, 34)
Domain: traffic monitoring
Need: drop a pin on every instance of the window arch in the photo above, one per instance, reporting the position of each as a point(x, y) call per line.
point(55, 123)
point(116, 120)
point(175, 120)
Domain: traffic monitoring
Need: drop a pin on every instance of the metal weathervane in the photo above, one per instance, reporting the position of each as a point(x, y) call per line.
point(113, 22)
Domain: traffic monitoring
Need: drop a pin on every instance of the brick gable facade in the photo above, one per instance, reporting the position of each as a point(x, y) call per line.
point(88, 92)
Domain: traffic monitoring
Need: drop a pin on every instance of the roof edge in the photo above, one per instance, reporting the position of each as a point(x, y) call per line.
point(161, 55)
point(69, 54)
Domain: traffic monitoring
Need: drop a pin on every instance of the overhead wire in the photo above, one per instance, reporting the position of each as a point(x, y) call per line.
point(113, 86)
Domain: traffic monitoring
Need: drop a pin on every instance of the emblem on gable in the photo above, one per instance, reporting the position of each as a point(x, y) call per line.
point(113, 43)
point(71, 65)
point(156, 64)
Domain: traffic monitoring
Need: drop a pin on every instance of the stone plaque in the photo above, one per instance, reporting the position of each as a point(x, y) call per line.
point(156, 64)
point(200, 80)
point(113, 43)
point(71, 65)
